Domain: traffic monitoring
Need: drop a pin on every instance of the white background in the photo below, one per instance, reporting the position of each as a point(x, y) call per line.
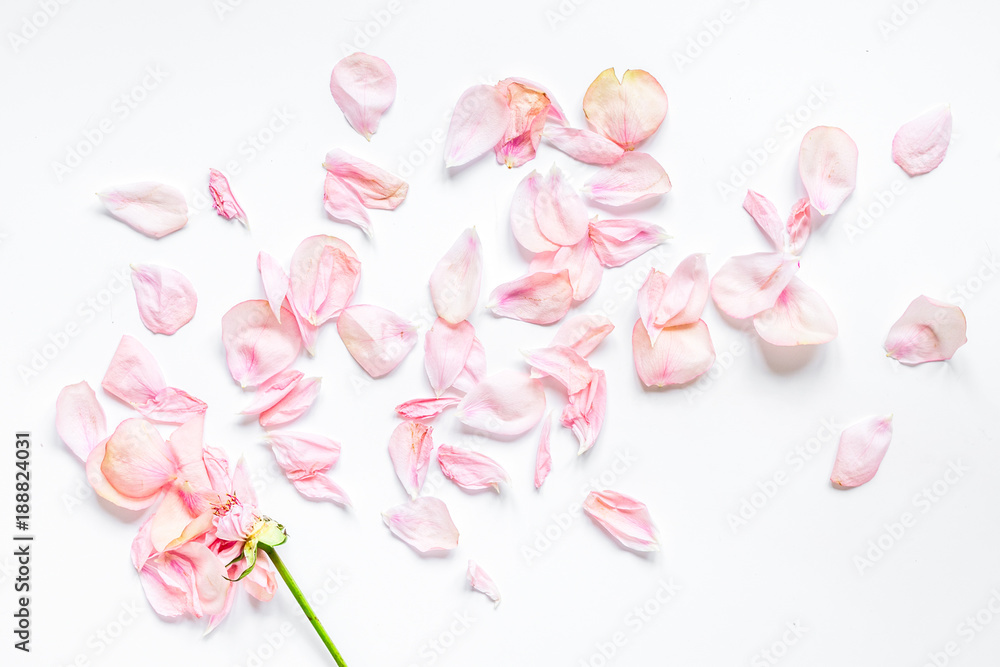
point(697, 453)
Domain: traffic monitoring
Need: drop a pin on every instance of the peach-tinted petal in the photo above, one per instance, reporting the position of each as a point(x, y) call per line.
point(471, 470)
point(302, 454)
point(669, 301)
point(563, 364)
point(426, 408)
point(375, 187)
point(424, 524)
point(828, 166)
point(258, 346)
point(626, 112)
point(679, 355)
point(223, 200)
point(539, 298)
point(523, 219)
point(410, 447)
point(860, 451)
point(153, 209)
point(103, 487)
point(748, 284)
point(377, 338)
point(584, 413)
point(921, 144)
point(506, 403)
point(583, 145)
point(527, 111)
point(475, 368)
point(929, 330)
point(457, 279)
point(321, 487)
point(363, 86)
point(483, 583)
point(800, 316)
point(166, 298)
point(137, 462)
point(446, 349)
point(624, 518)
point(292, 405)
point(618, 242)
point(343, 203)
point(634, 178)
point(583, 332)
point(275, 282)
point(580, 260)
point(477, 124)
point(543, 457)
point(133, 375)
point(272, 390)
point(559, 211)
point(80, 419)
point(324, 273)
point(798, 226)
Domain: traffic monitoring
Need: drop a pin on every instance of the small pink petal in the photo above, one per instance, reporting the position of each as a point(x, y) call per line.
point(80, 419)
point(543, 457)
point(446, 350)
point(798, 226)
point(166, 299)
point(679, 355)
point(426, 408)
point(626, 112)
point(137, 462)
point(275, 282)
point(563, 364)
point(618, 242)
point(799, 317)
point(634, 178)
point(523, 218)
point(861, 450)
point(921, 144)
point(624, 518)
point(583, 145)
point(424, 523)
point(585, 270)
point(471, 470)
point(324, 273)
point(292, 405)
point(410, 448)
point(172, 405)
point(929, 330)
point(377, 338)
point(375, 187)
point(475, 368)
point(343, 203)
point(321, 487)
point(527, 111)
point(258, 346)
point(133, 376)
point(539, 298)
point(748, 284)
point(302, 454)
point(559, 212)
point(363, 86)
point(457, 279)
point(584, 413)
point(478, 124)
point(583, 333)
point(483, 583)
point(104, 488)
point(828, 166)
point(669, 301)
point(765, 214)
point(153, 209)
point(272, 390)
point(223, 200)
point(506, 403)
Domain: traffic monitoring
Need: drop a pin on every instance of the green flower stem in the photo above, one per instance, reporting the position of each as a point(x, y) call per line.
point(301, 599)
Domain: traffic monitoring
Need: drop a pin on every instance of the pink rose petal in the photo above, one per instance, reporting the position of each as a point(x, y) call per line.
point(446, 350)
point(457, 279)
point(668, 301)
point(559, 212)
point(584, 413)
point(258, 346)
point(275, 282)
point(410, 448)
point(153, 209)
point(377, 338)
point(343, 203)
point(748, 284)
point(80, 419)
point(563, 364)
point(585, 270)
point(583, 333)
point(787, 236)
point(626, 112)
point(828, 166)
point(523, 218)
point(483, 583)
point(137, 462)
point(583, 145)
point(363, 86)
point(679, 355)
point(166, 299)
point(634, 178)
point(799, 226)
point(929, 330)
point(478, 124)
point(618, 242)
point(475, 368)
point(799, 317)
point(424, 524)
point(543, 457)
point(324, 273)
point(223, 200)
point(528, 108)
point(506, 403)
point(624, 518)
point(292, 405)
point(375, 187)
point(921, 144)
point(321, 487)
point(539, 298)
point(171, 405)
point(302, 454)
point(861, 450)
point(426, 408)
point(272, 390)
point(471, 470)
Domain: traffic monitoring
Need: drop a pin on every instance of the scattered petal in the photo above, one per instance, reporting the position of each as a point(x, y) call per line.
point(478, 124)
point(559, 212)
point(375, 187)
point(482, 582)
point(634, 178)
point(137, 462)
point(80, 419)
point(799, 317)
point(410, 448)
point(324, 273)
point(523, 218)
point(543, 457)
point(363, 86)
point(321, 487)
point(171, 405)
point(563, 364)
point(861, 450)
point(626, 112)
point(471, 470)
point(424, 524)
point(527, 111)
point(584, 413)
point(475, 368)
point(798, 226)
point(275, 282)
point(166, 299)
point(539, 298)
point(223, 200)
point(921, 144)
point(679, 355)
point(258, 346)
point(929, 330)
point(292, 405)
point(748, 284)
point(669, 301)
point(457, 279)
point(446, 350)
point(618, 242)
point(583, 332)
point(828, 166)
point(765, 214)
point(272, 390)
point(377, 338)
point(506, 403)
point(583, 145)
point(426, 408)
point(344, 204)
point(153, 209)
point(624, 518)
point(303, 454)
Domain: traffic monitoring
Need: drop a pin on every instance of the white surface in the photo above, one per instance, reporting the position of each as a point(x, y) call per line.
point(695, 456)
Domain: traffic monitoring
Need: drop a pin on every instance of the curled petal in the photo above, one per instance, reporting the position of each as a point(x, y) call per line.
point(799, 317)
point(669, 301)
point(377, 338)
point(457, 278)
point(563, 364)
point(748, 284)
point(799, 226)
point(223, 200)
point(527, 111)
point(426, 408)
point(80, 419)
point(424, 524)
point(303, 454)
point(583, 145)
point(539, 298)
point(618, 242)
point(584, 413)
point(171, 405)
point(292, 405)
point(137, 462)
point(559, 212)
point(861, 450)
point(583, 333)
point(626, 112)
point(446, 350)
point(410, 447)
point(104, 488)
point(363, 86)
point(166, 299)
point(375, 187)
point(920, 145)
point(506, 403)
point(634, 178)
point(624, 518)
point(585, 271)
point(523, 219)
point(275, 282)
point(272, 390)
point(483, 583)
point(475, 368)
point(344, 204)
point(153, 209)
point(478, 124)
point(321, 487)
point(929, 330)
point(765, 214)
point(679, 355)
point(828, 166)
point(543, 457)
point(257, 345)
point(133, 375)
point(471, 470)
point(324, 273)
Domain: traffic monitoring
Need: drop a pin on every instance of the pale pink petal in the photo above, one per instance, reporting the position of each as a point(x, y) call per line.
point(618, 242)
point(921, 144)
point(457, 279)
point(584, 413)
point(426, 408)
point(302, 454)
point(80, 419)
point(539, 298)
point(561, 363)
point(478, 124)
point(506, 403)
point(583, 332)
point(324, 273)
point(679, 355)
point(624, 518)
point(308, 331)
point(257, 345)
point(475, 368)
point(262, 583)
point(523, 218)
point(634, 178)
point(292, 405)
point(626, 112)
point(861, 450)
point(765, 214)
point(543, 457)
point(377, 338)
point(410, 448)
point(166, 299)
point(363, 86)
point(471, 470)
point(446, 350)
point(748, 284)
point(583, 145)
point(424, 524)
point(670, 301)
point(153, 209)
point(799, 317)
point(483, 583)
point(929, 330)
point(272, 390)
point(375, 187)
point(798, 226)
point(137, 462)
point(580, 260)
point(223, 200)
point(275, 282)
point(133, 375)
point(321, 487)
point(171, 405)
point(828, 166)
point(528, 109)
point(559, 212)
point(343, 203)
